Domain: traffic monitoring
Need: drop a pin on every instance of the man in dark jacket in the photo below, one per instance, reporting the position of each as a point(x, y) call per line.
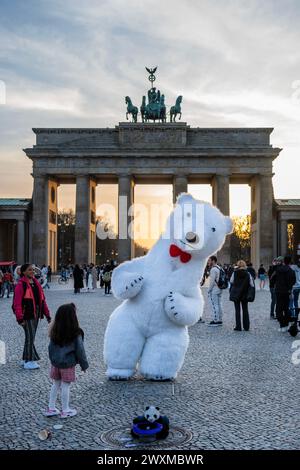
point(276, 262)
point(284, 278)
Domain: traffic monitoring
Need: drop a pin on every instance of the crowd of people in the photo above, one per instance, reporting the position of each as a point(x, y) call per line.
point(239, 279)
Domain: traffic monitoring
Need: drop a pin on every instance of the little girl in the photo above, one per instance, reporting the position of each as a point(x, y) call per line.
point(66, 349)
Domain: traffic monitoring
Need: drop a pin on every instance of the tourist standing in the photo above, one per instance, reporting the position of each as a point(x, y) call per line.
point(294, 301)
point(7, 283)
point(271, 276)
point(1, 281)
point(94, 276)
point(49, 274)
point(66, 349)
point(214, 293)
point(107, 273)
point(29, 306)
point(78, 279)
point(284, 278)
point(240, 282)
point(262, 276)
point(251, 270)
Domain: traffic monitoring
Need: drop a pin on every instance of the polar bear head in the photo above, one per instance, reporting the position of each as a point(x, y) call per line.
point(197, 227)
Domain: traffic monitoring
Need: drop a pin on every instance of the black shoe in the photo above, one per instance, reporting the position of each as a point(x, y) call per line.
point(220, 323)
point(213, 323)
point(201, 321)
point(237, 329)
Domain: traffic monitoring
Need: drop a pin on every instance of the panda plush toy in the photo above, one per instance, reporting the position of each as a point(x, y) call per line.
point(149, 422)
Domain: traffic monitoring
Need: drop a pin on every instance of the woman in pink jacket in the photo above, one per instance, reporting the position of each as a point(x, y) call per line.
point(29, 306)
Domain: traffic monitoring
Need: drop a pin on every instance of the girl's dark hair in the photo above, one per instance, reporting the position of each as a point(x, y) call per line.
point(65, 327)
point(24, 268)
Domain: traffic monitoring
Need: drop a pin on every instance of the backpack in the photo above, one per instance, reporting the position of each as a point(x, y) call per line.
point(106, 276)
point(222, 282)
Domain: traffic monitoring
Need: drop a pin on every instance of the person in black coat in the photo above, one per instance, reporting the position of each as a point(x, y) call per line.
point(78, 279)
point(240, 281)
point(284, 278)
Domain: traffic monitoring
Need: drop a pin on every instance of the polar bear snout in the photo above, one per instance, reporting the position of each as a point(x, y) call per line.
point(192, 237)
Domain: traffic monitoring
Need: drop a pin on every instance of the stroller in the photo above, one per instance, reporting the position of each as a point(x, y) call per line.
point(293, 329)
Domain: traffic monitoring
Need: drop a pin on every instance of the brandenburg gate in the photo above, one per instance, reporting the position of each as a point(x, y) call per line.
point(148, 152)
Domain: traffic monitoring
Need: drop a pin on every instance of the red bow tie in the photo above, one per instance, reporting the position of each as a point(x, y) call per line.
point(176, 251)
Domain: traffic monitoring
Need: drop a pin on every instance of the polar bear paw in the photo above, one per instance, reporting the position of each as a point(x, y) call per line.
point(130, 288)
point(174, 307)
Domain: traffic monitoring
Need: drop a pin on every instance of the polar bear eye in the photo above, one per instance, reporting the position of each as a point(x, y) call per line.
point(213, 229)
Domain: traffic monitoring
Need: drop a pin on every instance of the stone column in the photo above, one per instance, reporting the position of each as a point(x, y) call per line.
point(52, 224)
point(40, 221)
point(85, 220)
point(126, 198)
point(266, 219)
point(261, 220)
point(220, 187)
point(283, 238)
point(180, 185)
point(20, 242)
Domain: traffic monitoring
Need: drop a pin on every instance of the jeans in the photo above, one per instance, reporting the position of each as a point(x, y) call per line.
point(294, 303)
point(215, 302)
point(282, 308)
point(273, 301)
point(6, 286)
point(107, 287)
point(246, 321)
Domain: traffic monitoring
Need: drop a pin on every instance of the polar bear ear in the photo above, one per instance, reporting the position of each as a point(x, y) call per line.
point(228, 225)
point(184, 198)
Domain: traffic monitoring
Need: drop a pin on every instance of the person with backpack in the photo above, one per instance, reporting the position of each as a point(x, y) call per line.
point(217, 282)
point(240, 282)
point(29, 306)
point(107, 279)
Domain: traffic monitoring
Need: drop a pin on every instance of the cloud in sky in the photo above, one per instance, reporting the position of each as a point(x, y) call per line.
point(68, 63)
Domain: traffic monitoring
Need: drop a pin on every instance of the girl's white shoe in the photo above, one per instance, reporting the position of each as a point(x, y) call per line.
point(49, 412)
point(30, 365)
point(68, 414)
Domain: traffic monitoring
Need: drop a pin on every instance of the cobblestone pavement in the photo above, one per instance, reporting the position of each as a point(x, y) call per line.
point(235, 391)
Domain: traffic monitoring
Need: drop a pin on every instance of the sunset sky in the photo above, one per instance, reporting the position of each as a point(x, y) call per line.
point(69, 63)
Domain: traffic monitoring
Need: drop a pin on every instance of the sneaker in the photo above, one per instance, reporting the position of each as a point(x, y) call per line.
point(49, 412)
point(30, 365)
point(68, 414)
point(213, 323)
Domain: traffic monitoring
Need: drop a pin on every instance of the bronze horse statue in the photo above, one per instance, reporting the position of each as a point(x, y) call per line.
point(176, 109)
point(133, 110)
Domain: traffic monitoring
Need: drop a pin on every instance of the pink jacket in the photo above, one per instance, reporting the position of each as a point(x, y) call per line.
point(24, 301)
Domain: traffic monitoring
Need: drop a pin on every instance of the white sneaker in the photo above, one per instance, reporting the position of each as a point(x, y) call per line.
point(49, 412)
point(30, 365)
point(68, 414)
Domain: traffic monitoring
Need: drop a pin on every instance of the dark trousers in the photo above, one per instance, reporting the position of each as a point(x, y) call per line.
point(77, 290)
point(29, 353)
point(282, 308)
point(273, 301)
point(246, 322)
point(107, 287)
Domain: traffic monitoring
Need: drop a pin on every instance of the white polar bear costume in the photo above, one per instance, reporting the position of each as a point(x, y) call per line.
point(161, 294)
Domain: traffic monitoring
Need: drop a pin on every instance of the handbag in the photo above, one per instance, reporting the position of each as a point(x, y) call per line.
point(250, 292)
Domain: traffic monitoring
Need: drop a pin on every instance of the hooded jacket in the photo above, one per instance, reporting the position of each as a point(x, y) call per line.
point(285, 278)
